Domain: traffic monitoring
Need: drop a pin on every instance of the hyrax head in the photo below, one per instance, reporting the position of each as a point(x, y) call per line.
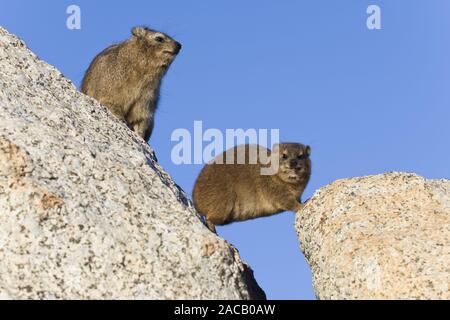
point(294, 161)
point(163, 48)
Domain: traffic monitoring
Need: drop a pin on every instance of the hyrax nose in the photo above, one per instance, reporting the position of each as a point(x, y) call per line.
point(177, 47)
point(293, 163)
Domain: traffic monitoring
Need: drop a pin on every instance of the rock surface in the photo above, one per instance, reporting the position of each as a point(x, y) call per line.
point(379, 237)
point(85, 211)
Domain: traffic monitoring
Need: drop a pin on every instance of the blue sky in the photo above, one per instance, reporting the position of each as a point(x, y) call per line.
point(366, 101)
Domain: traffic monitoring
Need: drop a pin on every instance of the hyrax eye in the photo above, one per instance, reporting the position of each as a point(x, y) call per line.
point(159, 39)
point(285, 156)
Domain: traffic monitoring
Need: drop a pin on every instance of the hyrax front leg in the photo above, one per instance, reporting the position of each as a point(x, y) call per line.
point(140, 129)
point(293, 205)
point(149, 130)
point(141, 119)
point(298, 206)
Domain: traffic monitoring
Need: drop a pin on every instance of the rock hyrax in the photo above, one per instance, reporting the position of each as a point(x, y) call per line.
point(225, 193)
point(126, 77)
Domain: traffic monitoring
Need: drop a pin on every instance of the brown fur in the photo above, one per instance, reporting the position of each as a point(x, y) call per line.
point(225, 193)
point(126, 77)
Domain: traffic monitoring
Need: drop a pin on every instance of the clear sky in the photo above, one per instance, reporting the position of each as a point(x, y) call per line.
point(367, 101)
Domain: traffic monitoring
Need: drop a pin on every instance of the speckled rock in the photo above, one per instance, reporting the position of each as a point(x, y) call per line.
point(379, 237)
point(85, 211)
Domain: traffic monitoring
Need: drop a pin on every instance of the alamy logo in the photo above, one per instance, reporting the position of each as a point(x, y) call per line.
point(206, 145)
point(74, 20)
point(374, 20)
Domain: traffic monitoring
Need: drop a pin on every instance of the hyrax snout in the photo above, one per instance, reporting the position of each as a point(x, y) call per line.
point(126, 77)
point(241, 190)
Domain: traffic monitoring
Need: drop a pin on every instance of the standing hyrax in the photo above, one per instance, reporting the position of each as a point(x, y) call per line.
point(126, 77)
point(225, 193)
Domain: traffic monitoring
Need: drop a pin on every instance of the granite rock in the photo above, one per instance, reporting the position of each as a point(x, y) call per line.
point(379, 237)
point(85, 210)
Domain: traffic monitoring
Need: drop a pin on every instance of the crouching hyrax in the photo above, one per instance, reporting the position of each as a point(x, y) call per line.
point(126, 77)
point(225, 193)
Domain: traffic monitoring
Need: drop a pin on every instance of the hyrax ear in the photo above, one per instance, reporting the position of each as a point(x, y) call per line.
point(138, 32)
point(308, 150)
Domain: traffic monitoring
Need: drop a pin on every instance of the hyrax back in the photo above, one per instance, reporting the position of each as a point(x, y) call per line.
point(126, 77)
point(225, 193)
